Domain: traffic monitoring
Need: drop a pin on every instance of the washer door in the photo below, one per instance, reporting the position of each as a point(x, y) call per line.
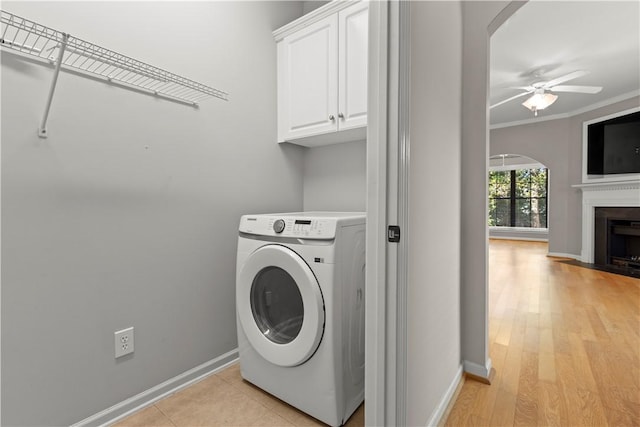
point(280, 305)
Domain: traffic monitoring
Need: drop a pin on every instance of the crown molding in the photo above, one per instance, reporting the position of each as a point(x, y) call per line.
point(529, 121)
point(605, 103)
point(573, 113)
point(311, 17)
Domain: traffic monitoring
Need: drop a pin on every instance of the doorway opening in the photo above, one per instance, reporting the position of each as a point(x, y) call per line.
point(517, 198)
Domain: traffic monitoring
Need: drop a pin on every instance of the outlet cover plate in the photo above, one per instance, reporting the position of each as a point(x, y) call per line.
point(123, 342)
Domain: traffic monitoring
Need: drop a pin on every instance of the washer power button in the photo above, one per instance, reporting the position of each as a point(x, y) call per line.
point(278, 226)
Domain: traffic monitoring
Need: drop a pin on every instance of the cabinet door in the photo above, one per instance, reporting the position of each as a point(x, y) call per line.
point(353, 55)
point(307, 81)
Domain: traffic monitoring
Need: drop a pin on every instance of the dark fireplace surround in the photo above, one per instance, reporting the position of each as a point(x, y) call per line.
point(617, 239)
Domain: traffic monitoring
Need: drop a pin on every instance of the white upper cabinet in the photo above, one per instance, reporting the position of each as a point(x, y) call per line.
point(353, 44)
point(308, 80)
point(322, 75)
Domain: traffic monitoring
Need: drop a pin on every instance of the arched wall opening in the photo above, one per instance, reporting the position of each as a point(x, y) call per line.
point(518, 197)
point(548, 145)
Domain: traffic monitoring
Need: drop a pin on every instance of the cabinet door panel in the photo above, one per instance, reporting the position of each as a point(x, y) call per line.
point(308, 95)
point(353, 55)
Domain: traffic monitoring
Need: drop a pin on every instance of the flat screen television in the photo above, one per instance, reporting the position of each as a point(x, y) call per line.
point(613, 146)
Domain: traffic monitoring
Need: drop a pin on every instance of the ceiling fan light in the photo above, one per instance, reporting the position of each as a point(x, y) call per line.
point(540, 101)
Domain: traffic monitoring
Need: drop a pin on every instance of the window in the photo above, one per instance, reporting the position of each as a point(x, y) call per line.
point(518, 198)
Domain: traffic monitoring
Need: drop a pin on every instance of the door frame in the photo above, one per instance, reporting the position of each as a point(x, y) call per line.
point(388, 142)
point(387, 203)
point(376, 345)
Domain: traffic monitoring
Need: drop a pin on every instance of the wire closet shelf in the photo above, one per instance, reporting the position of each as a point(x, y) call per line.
point(62, 49)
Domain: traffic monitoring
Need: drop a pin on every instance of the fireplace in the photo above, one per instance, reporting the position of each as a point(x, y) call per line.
point(617, 235)
point(610, 195)
point(617, 238)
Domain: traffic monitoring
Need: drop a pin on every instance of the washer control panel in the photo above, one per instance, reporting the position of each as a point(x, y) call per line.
point(283, 226)
point(279, 225)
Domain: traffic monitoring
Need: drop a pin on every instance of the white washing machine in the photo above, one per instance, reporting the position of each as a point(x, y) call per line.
point(300, 309)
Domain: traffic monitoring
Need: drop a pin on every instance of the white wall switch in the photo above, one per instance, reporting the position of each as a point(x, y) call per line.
point(124, 342)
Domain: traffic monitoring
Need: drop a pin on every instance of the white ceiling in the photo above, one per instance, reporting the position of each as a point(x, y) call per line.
point(548, 39)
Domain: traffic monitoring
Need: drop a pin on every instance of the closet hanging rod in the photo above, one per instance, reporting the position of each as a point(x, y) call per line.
point(71, 53)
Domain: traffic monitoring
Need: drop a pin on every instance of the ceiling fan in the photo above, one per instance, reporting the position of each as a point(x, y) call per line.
point(542, 96)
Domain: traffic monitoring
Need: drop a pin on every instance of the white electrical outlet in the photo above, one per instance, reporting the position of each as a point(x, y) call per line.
point(124, 342)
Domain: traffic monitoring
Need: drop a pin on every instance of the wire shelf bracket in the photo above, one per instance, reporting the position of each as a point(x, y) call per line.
point(64, 51)
point(42, 130)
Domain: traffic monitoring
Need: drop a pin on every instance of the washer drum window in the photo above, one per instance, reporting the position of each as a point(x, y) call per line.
point(280, 305)
point(277, 305)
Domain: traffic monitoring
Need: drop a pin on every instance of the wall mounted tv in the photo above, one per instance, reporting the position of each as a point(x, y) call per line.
point(614, 146)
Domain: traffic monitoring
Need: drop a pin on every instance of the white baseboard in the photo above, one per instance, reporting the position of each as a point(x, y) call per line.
point(127, 407)
point(438, 413)
point(563, 255)
point(526, 239)
point(478, 370)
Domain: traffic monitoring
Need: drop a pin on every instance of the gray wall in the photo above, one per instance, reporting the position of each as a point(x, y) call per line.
point(558, 145)
point(477, 16)
point(433, 312)
point(310, 5)
point(335, 177)
point(127, 214)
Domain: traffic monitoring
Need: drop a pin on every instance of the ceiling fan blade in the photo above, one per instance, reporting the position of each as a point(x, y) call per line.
point(565, 78)
point(578, 89)
point(511, 99)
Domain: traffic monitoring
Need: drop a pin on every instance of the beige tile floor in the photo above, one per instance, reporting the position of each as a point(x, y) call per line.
point(225, 399)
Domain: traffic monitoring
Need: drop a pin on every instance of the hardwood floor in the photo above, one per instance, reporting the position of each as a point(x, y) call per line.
point(564, 342)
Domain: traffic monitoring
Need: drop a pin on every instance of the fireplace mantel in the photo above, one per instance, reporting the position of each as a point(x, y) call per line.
point(610, 185)
point(603, 194)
